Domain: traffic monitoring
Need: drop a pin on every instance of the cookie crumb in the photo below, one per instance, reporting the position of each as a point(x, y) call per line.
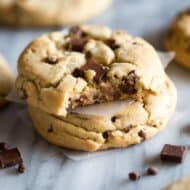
point(133, 176)
point(152, 170)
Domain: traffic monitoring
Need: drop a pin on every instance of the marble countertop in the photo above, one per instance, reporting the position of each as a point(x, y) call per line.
point(47, 166)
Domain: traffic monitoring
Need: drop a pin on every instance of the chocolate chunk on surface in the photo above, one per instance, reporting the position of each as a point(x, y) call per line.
point(21, 168)
point(134, 176)
point(10, 157)
point(112, 44)
point(152, 170)
point(128, 83)
point(99, 70)
point(76, 30)
point(173, 153)
point(142, 134)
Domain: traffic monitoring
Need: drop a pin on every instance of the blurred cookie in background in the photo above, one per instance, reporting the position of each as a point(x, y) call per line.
point(6, 81)
point(51, 13)
point(178, 38)
point(182, 184)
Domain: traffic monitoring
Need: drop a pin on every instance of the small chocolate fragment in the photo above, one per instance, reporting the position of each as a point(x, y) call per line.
point(10, 157)
point(152, 170)
point(127, 129)
point(51, 60)
point(128, 83)
point(78, 73)
point(112, 44)
point(50, 129)
point(134, 176)
point(76, 30)
point(105, 134)
point(142, 134)
point(113, 119)
point(4, 146)
point(21, 168)
point(173, 153)
point(99, 69)
point(76, 44)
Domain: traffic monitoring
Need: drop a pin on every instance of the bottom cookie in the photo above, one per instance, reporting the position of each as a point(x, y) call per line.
point(137, 122)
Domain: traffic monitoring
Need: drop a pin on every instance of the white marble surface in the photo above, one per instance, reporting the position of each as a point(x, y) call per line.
point(48, 168)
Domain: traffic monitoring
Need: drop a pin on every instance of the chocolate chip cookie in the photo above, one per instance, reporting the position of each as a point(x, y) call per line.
point(87, 65)
point(178, 38)
point(6, 80)
point(51, 13)
point(135, 123)
point(182, 184)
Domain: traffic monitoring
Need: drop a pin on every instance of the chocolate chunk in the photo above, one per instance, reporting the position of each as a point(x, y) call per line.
point(128, 83)
point(152, 170)
point(51, 60)
point(173, 153)
point(21, 168)
point(134, 176)
point(10, 157)
point(112, 44)
point(106, 134)
point(50, 129)
point(78, 73)
point(76, 44)
point(76, 30)
point(142, 134)
point(127, 129)
point(99, 70)
point(4, 146)
point(113, 119)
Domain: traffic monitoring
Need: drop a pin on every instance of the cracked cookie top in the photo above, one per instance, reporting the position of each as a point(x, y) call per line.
point(87, 65)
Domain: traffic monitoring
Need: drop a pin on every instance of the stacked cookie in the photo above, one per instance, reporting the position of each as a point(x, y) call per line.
point(51, 13)
point(6, 81)
point(62, 71)
point(178, 37)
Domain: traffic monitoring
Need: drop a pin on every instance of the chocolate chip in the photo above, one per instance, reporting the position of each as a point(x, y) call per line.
point(142, 134)
point(128, 83)
point(76, 30)
point(173, 153)
point(105, 134)
point(99, 70)
point(112, 44)
point(127, 129)
point(4, 146)
point(50, 129)
point(76, 44)
point(51, 60)
point(113, 119)
point(21, 168)
point(152, 170)
point(134, 176)
point(10, 157)
point(78, 73)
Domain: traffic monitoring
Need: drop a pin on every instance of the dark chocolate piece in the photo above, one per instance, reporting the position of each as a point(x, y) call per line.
point(142, 134)
point(50, 129)
point(128, 83)
point(4, 146)
point(173, 153)
point(99, 69)
point(10, 157)
point(112, 44)
point(51, 60)
point(76, 44)
point(76, 30)
point(152, 170)
point(78, 73)
point(105, 134)
point(134, 176)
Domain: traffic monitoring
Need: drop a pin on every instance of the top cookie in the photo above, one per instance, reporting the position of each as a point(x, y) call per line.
point(178, 38)
point(87, 65)
point(6, 80)
point(50, 13)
